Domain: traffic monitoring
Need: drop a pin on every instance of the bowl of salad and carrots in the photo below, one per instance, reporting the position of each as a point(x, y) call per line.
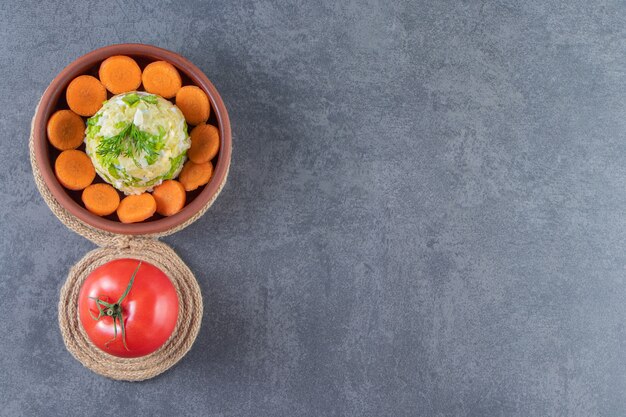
point(132, 139)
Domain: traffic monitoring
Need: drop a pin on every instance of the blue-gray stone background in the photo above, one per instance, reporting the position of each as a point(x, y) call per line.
point(425, 214)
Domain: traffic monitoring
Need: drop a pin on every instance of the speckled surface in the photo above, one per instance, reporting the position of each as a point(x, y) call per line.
point(424, 216)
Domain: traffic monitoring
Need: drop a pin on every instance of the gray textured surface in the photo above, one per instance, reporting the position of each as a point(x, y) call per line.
point(425, 213)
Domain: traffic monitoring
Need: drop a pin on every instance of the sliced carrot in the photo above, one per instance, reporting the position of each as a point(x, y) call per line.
point(74, 169)
point(194, 104)
point(120, 74)
point(85, 95)
point(194, 175)
point(136, 208)
point(205, 142)
point(66, 130)
point(101, 199)
point(170, 197)
point(161, 78)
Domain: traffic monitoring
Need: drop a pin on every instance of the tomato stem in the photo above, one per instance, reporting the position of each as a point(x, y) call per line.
point(115, 310)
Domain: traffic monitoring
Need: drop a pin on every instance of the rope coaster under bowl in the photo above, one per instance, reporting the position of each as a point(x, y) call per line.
point(114, 246)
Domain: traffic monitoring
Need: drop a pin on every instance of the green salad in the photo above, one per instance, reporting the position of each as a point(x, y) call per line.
point(136, 141)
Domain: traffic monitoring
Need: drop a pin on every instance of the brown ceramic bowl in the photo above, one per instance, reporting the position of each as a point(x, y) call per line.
point(54, 99)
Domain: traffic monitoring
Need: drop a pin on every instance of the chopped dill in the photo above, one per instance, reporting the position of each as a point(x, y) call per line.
point(130, 142)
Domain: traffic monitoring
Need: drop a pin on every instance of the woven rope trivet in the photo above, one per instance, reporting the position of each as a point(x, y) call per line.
point(114, 246)
point(179, 343)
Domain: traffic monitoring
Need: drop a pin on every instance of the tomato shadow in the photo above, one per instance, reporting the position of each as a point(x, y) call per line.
point(226, 339)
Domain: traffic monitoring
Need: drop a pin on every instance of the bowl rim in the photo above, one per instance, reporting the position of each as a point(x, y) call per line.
point(79, 66)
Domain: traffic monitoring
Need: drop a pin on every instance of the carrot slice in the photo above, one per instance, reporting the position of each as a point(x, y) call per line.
point(74, 169)
point(170, 197)
point(205, 142)
point(66, 130)
point(194, 175)
point(161, 78)
point(85, 95)
point(101, 199)
point(194, 104)
point(136, 208)
point(120, 74)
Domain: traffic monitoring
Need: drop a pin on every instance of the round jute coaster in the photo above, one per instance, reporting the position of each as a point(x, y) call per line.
point(179, 343)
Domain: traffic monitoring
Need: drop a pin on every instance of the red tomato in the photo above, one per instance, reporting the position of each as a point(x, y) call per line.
point(149, 310)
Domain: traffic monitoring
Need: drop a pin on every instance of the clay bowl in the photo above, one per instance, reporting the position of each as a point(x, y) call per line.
point(54, 99)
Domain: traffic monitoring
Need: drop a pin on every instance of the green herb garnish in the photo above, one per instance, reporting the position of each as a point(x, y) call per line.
point(130, 142)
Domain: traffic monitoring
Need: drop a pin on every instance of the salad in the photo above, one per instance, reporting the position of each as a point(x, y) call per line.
point(136, 141)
